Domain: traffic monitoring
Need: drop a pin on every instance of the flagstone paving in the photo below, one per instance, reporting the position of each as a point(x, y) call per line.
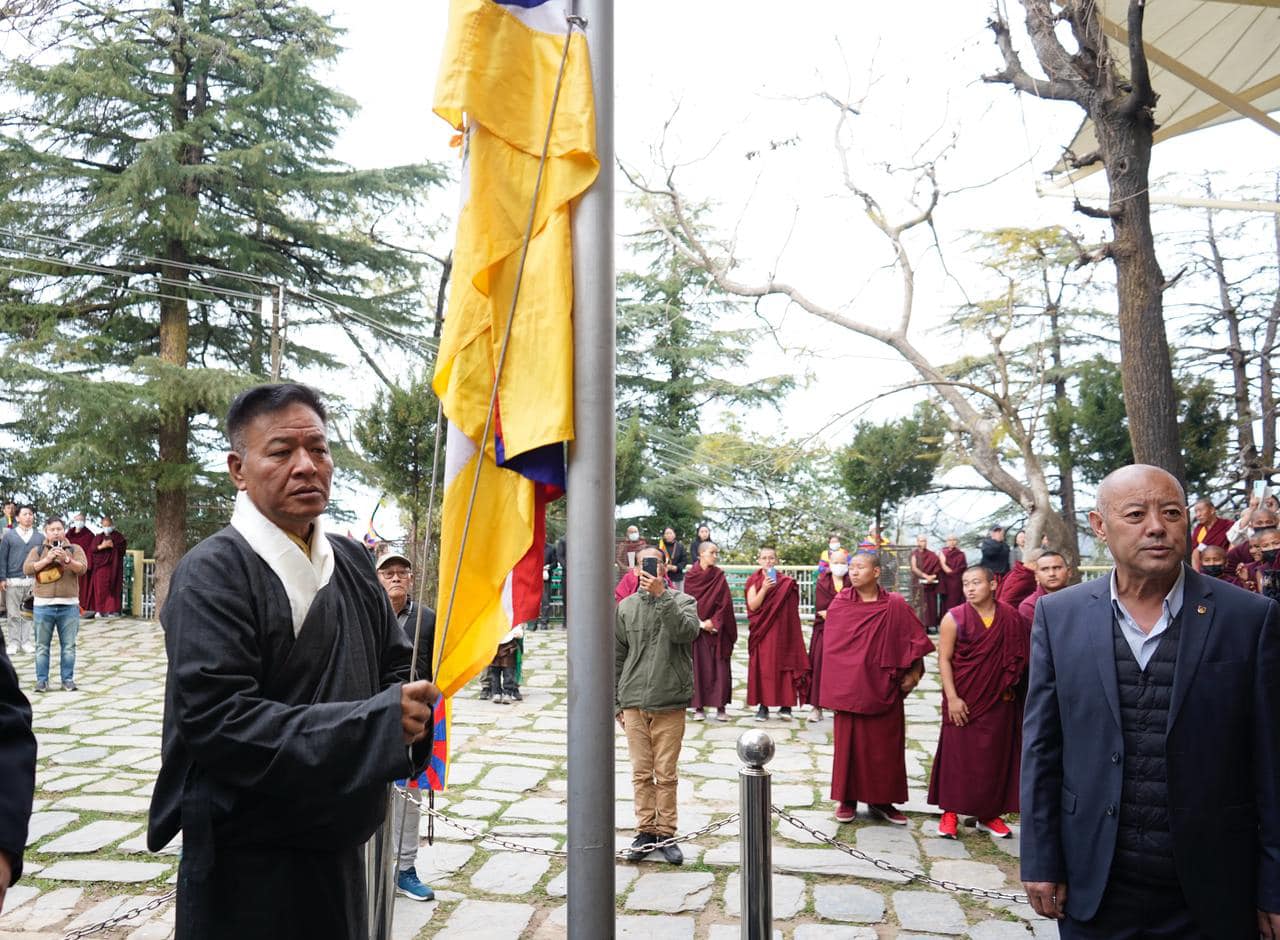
point(100, 747)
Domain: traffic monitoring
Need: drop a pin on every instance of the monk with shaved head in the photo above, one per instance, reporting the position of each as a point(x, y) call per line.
point(1151, 744)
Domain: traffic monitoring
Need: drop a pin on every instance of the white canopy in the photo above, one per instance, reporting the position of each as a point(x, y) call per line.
point(1211, 61)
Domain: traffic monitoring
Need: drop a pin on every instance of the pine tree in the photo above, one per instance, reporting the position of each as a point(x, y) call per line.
point(674, 359)
point(157, 149)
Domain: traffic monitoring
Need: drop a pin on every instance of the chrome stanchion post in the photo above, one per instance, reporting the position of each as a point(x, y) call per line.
point(379, 870)
point(755, 749)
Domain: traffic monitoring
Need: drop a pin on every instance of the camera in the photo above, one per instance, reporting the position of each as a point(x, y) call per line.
point(58, 543)
point(1270, 583)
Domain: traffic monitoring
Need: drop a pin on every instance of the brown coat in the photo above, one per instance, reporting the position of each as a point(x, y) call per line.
point(66, 586)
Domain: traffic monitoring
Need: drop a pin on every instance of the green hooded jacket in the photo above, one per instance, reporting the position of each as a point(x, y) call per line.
point(653, 651)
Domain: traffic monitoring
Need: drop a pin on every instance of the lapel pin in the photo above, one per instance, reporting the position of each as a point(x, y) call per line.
point(1202, 609)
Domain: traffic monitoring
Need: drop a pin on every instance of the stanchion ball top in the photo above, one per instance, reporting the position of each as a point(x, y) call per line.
point(755, 748)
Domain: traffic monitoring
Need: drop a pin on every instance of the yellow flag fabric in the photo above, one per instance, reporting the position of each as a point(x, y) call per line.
point(496, 84)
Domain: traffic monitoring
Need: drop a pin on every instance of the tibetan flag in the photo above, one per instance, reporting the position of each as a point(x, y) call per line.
point(496, 86)
point(436, 774)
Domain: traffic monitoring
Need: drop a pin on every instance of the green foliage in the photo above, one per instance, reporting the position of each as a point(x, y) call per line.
point(157, 169)
point(673, 362)
point(887, 464)
point(397, 435)
point(1102, 425)
point(783, 493)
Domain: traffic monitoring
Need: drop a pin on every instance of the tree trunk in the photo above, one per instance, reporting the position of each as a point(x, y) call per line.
point(1267, 390)
point(1245, 444)
point(1061, 437)
point(1146, 369)
point(171, 487)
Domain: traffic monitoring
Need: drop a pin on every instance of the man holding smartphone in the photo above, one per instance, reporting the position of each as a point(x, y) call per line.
point(56, 565)
point(653, 670)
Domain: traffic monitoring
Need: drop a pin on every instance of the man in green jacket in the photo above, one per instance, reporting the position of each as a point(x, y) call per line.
point(653, 673)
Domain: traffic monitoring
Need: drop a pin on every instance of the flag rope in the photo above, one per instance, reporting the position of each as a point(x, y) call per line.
point(580, 23)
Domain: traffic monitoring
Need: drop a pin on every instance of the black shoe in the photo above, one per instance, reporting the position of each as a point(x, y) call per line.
point(784, 714)
point(42, 686)
point(762, 714)
point(673, 854)
point(516, 696)
point(641, 846)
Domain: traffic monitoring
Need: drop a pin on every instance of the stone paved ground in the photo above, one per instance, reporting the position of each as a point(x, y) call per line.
point(99, 750)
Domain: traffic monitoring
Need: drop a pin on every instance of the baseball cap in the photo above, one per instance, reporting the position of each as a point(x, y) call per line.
point(389, 557)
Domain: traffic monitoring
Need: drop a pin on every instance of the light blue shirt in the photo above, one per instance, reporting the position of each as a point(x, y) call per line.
point(1143, 645)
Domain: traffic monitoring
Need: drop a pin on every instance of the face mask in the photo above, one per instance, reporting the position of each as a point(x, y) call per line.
point(840, 570)
point(1269, 554)
point(1214, 571)
point(106, 530)
point(78, 524)
point(834, 545)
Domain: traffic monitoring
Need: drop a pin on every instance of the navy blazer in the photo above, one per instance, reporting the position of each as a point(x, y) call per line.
point(1222, 748)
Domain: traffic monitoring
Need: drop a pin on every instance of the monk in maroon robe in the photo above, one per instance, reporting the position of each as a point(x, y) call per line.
point(1017, 584)
point(1053, 573)
point(712, 681)
point(1213, 562)
point(1210, 529)
point(873, 656)
point(830, 583)
point(106, 571)
point(777, 664)
point(983, 650)
point(80, 534)
point(927, 571)
point(953, 565)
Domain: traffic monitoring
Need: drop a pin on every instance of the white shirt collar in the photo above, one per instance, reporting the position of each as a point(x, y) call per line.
point(301, 576)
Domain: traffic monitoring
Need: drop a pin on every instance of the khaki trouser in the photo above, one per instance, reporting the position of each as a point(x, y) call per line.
point(654, 739)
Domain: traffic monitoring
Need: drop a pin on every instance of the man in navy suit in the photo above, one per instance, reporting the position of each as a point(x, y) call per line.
point(1151, 744)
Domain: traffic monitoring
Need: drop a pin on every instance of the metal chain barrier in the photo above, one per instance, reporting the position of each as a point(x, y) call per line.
point(481, 836)
point(119, 919)
point(907, 873)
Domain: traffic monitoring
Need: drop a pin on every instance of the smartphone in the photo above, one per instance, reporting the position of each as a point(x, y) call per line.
point(649, 566)
point(773, 574)
point(1260, 489)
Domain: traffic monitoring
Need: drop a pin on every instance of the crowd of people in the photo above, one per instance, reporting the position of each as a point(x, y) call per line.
point(50, 578)
point(1133, 721)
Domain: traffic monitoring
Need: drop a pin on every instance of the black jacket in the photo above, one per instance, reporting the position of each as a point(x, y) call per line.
point(1222, 747)
point(17, 765)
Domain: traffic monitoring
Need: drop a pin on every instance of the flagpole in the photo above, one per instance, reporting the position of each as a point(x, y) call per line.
point(589, 613)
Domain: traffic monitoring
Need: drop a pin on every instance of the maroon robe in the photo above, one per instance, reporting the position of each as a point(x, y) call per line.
point(777, 664)
point(867, 648)
point(823, 593)
point(1213, 534)
point(85, 539)
point(712, 681)
point(1016, 585)
point(928, 562)
point(1239, 555)
point(106, 573)
point(1230, 578)
point(952, 588)
point(628, 584)
point(976, 768)
point(1027, 609)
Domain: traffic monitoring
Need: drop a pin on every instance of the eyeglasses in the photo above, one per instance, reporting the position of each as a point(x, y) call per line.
point(391, 574)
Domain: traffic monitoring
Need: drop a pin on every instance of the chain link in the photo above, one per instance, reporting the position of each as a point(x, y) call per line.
point(907, 873)
point(491, 839)
point(119, 919)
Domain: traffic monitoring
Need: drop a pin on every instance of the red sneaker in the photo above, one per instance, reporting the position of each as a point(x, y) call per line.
point(996, 827)
point(947, 825)
point(889, 813)
point(846, 812)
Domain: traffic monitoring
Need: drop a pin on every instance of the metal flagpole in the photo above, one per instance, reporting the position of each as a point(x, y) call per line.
point(589, 540)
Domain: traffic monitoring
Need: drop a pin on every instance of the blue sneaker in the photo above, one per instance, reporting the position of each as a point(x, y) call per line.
point(408, 884)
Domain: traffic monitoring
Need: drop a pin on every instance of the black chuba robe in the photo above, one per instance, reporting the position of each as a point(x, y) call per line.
point(277, 751)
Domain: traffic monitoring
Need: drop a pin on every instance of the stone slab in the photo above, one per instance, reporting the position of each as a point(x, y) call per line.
point(130, 805)
point(788, 896)
point(493, 920)
point(91, 838)
point(671, 892)
point(999, 930)
point(92, 870)
point(540, 809)
point(833, 932)
point(46, 823)
point(558, 887)
point(510, 873)
point(409, 917)
point(732, 932)
point(848, 903)
point(929, 911)
point(806, 861)
point(972, 874)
